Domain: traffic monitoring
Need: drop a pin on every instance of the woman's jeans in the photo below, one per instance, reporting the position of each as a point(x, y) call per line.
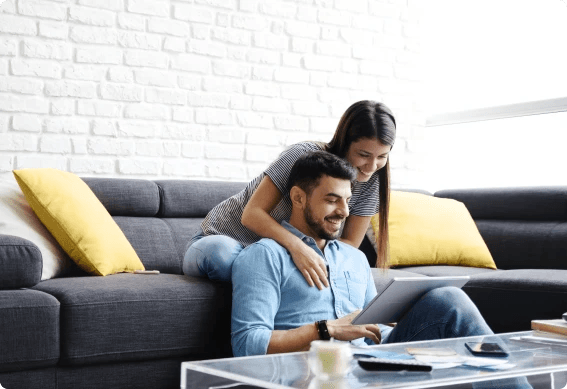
point(211, 256)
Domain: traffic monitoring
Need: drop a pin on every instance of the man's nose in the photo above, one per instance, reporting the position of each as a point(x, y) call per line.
point(343, 209)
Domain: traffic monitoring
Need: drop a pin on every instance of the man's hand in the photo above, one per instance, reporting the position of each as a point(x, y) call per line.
point(311, 265)
point(343, 329)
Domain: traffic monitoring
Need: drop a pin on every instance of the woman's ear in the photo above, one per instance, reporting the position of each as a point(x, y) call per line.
point(298, 197)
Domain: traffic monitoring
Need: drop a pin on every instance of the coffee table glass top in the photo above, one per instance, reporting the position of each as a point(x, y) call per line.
point(292, 370)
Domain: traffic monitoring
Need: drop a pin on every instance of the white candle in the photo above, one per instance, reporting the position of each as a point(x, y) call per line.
point(330, 358)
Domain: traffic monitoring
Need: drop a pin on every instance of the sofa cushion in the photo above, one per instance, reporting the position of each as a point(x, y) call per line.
point(186, 198)
point(160, 243)
point(38, 378)
point(78, 221)
point(517, 244)
point(182, 230)
point(126, 197)
point(510, 299)
point(150, 374)
point(425, 230)
point(523, 203)
point(29, 330)
point(153, 241)
point(20, 263)
point(127, 317)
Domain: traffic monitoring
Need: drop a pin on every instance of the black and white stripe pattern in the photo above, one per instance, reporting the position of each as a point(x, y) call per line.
point(224, 219)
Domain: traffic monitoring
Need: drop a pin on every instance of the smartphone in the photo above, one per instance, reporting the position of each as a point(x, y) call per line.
point(486, 349)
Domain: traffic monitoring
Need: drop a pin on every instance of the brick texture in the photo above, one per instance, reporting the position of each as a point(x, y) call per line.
point(203, 89)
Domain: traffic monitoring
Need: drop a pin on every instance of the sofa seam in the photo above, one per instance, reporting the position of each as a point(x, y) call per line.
point(30, 360)
point(175, 242)
point(35, 306)
point(128, 352)
point(128, 301)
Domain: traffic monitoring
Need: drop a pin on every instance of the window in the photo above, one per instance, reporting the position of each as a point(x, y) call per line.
point(496, 93)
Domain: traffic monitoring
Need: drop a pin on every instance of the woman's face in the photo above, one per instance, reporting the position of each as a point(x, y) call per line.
point(367, 155)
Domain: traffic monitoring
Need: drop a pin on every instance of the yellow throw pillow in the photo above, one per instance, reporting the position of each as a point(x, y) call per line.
point(427, 230)
point(78, 221)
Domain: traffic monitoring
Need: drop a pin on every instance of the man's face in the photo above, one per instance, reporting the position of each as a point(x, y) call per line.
point(327, 207)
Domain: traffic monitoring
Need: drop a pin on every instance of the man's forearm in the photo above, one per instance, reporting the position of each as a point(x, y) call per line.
point(297, 339)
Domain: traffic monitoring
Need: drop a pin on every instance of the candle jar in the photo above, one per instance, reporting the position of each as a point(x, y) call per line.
point(330, 358)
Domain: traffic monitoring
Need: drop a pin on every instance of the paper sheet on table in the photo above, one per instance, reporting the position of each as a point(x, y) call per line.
point(439, 362)
point(483, 362)
point(440, 352)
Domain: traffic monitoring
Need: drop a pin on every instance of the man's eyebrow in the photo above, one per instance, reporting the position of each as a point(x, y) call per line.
point(331, 194)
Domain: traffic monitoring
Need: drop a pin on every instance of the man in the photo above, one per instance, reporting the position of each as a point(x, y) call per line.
point(274, 310)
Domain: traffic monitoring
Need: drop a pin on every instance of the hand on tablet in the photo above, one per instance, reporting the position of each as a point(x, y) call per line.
point(343, 329)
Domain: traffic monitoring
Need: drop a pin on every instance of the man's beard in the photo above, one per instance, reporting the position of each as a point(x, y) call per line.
point(317, 227)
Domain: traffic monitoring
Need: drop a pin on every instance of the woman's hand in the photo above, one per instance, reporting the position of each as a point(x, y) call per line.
point(343, 329)
point(311, 265)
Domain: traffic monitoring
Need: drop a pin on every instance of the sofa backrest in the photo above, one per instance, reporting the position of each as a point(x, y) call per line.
point(524, 228)
point(159, 217)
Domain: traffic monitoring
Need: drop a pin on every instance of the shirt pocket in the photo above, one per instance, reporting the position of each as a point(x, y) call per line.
point(356, 285)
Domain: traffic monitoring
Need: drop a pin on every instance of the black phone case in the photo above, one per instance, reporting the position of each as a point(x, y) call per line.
point(500, 353)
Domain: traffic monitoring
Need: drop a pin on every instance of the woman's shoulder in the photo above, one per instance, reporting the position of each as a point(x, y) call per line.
point(308, 146)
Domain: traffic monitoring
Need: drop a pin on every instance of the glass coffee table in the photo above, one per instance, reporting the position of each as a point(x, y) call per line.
point(544, 365)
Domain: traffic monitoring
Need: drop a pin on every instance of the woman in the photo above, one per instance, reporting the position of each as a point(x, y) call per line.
point(364, 137)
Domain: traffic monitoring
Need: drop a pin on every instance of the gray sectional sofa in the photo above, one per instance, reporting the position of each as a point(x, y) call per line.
point(133, 330)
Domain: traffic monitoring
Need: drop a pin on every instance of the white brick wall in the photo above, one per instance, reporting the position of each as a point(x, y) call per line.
point(200, 89)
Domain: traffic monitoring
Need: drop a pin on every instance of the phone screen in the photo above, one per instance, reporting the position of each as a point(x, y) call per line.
point(485, 348)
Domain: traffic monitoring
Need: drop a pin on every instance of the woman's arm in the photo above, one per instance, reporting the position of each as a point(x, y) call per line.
point(355, 229)
point(256, 217)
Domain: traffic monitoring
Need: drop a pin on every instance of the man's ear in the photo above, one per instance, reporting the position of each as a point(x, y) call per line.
point(298, 197)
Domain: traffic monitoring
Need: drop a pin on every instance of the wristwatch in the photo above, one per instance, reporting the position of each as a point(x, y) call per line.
point(323, 330)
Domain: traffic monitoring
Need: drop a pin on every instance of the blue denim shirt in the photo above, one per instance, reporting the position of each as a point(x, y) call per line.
point(270, 293)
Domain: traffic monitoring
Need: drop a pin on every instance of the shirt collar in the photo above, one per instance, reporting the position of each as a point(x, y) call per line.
point(304, 237)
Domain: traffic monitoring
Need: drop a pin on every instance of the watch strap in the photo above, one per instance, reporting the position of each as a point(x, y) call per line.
point(323, 330)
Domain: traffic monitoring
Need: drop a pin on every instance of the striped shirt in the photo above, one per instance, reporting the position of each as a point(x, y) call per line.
point(224, 219)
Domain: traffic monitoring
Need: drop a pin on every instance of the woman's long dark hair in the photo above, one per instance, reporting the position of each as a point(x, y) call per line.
point(373, 120)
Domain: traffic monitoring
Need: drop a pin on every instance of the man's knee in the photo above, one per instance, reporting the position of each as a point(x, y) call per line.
point(448, 297)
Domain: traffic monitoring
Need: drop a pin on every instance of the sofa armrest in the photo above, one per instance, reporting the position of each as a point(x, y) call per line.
point(21, 263)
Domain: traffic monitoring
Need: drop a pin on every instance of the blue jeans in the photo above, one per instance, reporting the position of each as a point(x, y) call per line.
point(211, 256)
point(440, 314)
point(447, 313)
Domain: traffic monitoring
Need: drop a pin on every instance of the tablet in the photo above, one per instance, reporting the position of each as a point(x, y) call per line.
point(400, 295)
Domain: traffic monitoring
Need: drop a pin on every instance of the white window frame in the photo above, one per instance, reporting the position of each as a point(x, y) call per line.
point(538, 107)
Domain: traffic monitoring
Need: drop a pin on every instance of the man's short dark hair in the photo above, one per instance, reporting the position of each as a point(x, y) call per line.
point(309, 168)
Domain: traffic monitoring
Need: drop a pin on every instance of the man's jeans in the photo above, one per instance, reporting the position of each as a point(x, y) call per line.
point(441, 313)
point(211, 256)
point(447, 313)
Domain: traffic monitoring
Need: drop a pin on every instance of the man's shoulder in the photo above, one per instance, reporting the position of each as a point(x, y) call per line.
point(351, 252)
point(267, 246)
point(265, 253)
